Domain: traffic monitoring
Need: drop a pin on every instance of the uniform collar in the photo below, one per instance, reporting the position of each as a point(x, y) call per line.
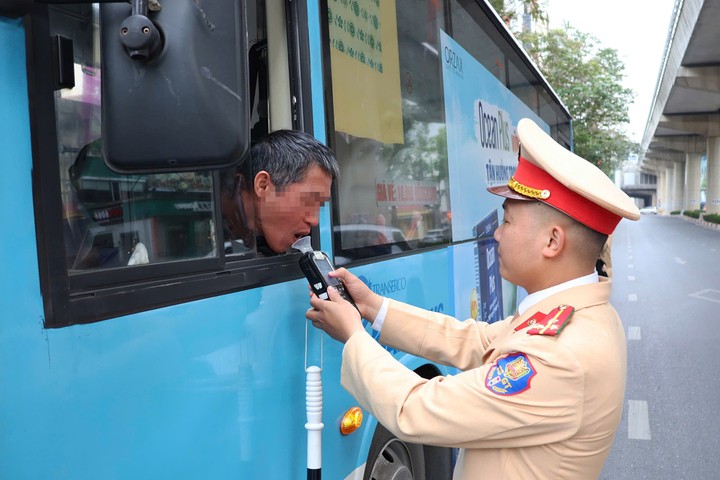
point(537, 297)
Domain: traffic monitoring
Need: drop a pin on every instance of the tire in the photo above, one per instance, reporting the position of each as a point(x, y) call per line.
point(390, 458)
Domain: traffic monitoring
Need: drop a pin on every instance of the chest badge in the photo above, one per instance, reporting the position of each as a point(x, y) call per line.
point(553, 323)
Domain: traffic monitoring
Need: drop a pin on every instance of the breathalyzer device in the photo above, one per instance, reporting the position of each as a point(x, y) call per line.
point(316, 267)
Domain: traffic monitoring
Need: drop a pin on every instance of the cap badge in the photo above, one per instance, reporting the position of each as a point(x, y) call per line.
point(528, 191)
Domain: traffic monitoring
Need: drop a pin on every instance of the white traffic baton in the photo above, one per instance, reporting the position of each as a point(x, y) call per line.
point(313, 408)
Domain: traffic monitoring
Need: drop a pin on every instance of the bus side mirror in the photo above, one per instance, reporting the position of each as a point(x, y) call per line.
point(179, 102)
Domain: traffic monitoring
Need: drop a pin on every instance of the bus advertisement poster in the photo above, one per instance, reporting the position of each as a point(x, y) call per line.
point(481, 115)
point(487, 270)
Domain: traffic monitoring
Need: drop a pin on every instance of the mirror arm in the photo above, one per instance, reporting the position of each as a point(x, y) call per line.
point(140, 36)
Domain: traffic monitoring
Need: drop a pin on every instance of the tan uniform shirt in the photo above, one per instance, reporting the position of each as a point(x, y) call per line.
point(555, 423)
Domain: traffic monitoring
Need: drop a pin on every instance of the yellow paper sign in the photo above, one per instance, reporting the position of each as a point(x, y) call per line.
point(365, 69)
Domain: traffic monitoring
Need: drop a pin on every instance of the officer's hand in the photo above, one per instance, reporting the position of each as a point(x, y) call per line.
point(367, 301)
point(336, 317)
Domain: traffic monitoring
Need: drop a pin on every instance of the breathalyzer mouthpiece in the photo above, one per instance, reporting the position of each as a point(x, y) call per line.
point(303, 245)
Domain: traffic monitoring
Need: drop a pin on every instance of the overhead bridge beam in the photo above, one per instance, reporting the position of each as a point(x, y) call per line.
point(707, 124)
point(706, 79)
point(670, 155)
point(684, 143)
point(657, 165)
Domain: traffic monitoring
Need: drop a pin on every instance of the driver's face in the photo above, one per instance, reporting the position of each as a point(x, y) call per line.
point(285, 214)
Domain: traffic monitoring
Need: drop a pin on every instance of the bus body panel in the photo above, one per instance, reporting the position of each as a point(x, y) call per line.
point(213, 388)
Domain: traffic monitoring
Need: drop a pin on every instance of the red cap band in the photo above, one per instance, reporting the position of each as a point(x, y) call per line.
point(575, 205)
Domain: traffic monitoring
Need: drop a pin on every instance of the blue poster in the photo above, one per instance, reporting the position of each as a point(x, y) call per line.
point(481, 115)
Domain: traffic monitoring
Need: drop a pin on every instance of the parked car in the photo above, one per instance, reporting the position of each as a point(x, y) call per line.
point(436, 236)
point(360, 241)
point(648, 210)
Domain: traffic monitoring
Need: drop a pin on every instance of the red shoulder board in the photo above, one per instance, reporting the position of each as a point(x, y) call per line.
point(553, 322)
point(530, 321)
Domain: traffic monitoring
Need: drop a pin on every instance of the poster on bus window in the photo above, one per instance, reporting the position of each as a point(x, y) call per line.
point(481, 115)
point(365, 69)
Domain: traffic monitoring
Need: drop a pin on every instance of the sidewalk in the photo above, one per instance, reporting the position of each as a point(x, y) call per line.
point(698, 221)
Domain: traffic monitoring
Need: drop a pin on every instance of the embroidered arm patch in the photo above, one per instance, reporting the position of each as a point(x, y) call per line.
point(510, 375)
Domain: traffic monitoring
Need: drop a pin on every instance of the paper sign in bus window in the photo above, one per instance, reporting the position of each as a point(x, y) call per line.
point(365, 68)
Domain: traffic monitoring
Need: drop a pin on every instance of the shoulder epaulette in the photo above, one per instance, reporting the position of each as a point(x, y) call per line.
point(554, 322)
point(537, 316)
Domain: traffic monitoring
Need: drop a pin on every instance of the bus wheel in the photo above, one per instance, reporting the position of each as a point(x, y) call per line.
point(390, 458)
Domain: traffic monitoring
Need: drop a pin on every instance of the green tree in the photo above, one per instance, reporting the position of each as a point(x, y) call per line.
point(587, 78)
point(508, 9)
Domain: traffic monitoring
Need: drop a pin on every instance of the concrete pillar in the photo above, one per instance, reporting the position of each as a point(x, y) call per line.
point(712, 192)
point(662, 191)
point(669, 190)
point(653, 201)
point(692, 181)
point(679, 190)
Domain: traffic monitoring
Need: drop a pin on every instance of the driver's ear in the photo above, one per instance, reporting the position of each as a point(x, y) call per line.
point(262, 184)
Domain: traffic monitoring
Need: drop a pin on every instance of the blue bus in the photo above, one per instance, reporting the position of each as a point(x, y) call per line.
point(184, 358)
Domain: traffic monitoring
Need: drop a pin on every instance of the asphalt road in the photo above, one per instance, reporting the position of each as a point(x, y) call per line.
point(670, 427)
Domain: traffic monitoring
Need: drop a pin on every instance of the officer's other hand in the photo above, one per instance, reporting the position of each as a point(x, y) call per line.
point(367, 301)
point(336, 316)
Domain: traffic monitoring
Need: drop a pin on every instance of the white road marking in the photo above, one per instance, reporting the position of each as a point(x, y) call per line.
point(630, 265)
point(634, 333)
point(630, 257)
point(713, 250)
point(357, 474)
point(708, 292)
point(638, 420)
point(632, 297)
point(680, 261)
point(631, 278)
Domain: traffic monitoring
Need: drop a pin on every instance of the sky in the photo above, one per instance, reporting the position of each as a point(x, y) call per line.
point(637, 29)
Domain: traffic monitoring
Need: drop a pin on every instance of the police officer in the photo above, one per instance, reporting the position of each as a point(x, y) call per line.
point(541, 393)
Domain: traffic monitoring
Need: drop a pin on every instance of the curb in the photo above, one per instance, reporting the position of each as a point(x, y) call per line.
point(701, 223)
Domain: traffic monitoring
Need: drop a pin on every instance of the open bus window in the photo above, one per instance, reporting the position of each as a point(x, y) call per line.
point(393, 193)
point(95, 226)
point(112, 220)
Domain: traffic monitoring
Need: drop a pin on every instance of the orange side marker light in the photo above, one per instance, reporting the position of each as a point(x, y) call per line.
point(351, 421)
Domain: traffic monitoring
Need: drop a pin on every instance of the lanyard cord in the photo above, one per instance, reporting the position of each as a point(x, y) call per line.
point(306, 346)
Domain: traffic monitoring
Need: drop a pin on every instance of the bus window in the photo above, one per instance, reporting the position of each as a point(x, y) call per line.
point(389, 128)
point(122, 236)
point(112, 220)
point(468, 21)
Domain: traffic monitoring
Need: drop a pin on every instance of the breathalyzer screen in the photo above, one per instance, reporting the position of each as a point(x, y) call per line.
point(325, 268)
